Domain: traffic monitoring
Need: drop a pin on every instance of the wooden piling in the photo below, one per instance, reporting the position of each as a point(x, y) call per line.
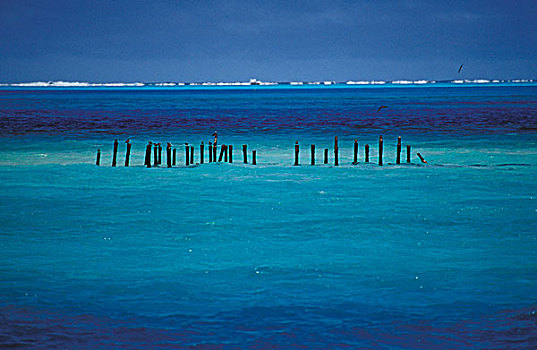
point(191, 154)
point(210, 152)
point(336, 152)
point(326, 156)
point(381, 149)
point(398, 158)
point(225, 153)
point(169, 154)
point(254, 157)
point(114, 156)
point(202, 150)
point(128, 154)
point(221, 153)
point(148, 155)
point(159, 154)
point(408, 153)
point(155, 155)
point(296, 152)
point(355, 152)
point(214, 151)
point(421, 158)
point(174, 156)
point(312, 154)
point(367, 153)
point(187, 154)
point(244, 154)
point(98, 162)
point(230, 147)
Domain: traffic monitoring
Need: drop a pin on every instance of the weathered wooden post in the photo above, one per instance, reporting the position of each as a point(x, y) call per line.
point(230, 147)
point(326, 156)
point(408, 153)
point(155, 154)
point(421, 158)
point(202, 150)
point(336, 152)
point(187, 155)
point(244, 154)
point(355, 151)
point(128, 153)
point(296, 152)
point(169, 154)
point(381, 149)
point(312, 154)
point(225, 153)
point(114, 156)
point(367, 153)
point(221, 153)
point(398, 158)
point(254, 157)
point(210, 152)
point(98, 162)
point(159, 154)
point(214, 151)
point(174, 155)
point(191, 154)
point(148, 155)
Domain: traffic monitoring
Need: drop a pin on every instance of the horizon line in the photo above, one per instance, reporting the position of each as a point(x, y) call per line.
point(254, 82)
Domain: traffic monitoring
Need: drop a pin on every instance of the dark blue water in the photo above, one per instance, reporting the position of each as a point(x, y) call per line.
point(419, 256)
point(263, 112)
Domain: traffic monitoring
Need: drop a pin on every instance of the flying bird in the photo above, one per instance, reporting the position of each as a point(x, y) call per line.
point(381, 107)
point(460, 68)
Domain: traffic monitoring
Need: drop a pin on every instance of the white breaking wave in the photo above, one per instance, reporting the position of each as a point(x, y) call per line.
point(366, 82)
point(37, 83)
point(475, 81)
point(415, 82)
point(362, 82)
point(235, 83)
point(71, 84)
point(122, 84)
point(255, 82)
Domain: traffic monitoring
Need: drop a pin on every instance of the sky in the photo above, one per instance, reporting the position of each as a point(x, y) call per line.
point(185, 41)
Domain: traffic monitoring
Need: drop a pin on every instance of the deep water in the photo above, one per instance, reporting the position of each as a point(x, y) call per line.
point(412, 256)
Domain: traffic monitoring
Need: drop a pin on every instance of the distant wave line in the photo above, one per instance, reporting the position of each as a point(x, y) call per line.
point(255, 83)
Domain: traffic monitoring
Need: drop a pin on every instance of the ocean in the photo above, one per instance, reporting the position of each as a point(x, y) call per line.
point(436, 255)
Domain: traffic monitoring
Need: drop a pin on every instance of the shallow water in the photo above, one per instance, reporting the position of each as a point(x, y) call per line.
point(436, 255)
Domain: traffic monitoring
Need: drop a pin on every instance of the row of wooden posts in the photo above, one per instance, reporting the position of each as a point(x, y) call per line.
point(226, 154)
point(355, 155)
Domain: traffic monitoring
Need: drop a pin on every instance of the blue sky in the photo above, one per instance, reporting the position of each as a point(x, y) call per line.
point(269, 40)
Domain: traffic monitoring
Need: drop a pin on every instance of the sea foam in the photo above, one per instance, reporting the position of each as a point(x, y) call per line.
point(255, 82)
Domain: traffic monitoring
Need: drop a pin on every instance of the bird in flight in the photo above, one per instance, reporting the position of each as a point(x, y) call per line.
point(381, 107)
point(460, 68)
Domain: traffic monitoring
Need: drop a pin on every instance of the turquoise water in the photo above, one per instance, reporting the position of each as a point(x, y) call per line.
point(420, 256)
